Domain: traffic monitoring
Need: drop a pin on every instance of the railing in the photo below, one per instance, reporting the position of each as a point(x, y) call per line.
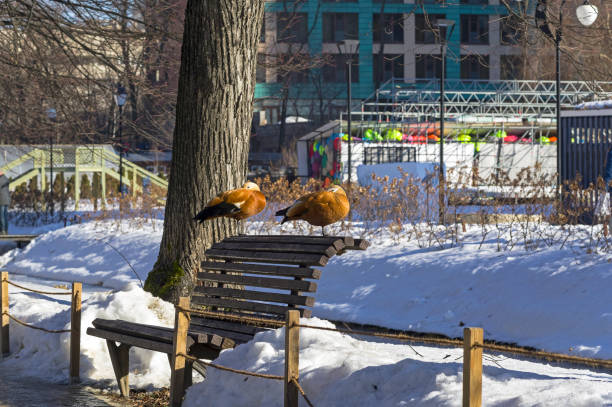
point(473, 344)
point(75, 321)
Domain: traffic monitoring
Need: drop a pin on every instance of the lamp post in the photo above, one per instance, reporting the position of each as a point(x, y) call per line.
point(586, 14)
point(442, 25)
point(348, 48)
point(120, 98)
point(52, 115)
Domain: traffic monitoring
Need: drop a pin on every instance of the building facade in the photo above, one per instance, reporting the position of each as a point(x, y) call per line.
point(481, 46)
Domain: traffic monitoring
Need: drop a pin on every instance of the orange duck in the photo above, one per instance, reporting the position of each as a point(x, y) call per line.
point(237, 204)
point(318, 208)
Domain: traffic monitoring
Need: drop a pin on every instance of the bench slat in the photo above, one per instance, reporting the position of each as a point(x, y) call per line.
point(281, 247)
point(225, 325)
point(278, 283)
point(131, 340)
point(247, 305)
point(234, 337)
point(269, 257)
point(256, 295)
point(341, 241)
point(157, 333)
point(288, 271)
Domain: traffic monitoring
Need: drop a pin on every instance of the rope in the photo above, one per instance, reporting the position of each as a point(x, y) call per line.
point(51, 331)
point(37, 291)
point(301, 390)
point(229, 369)
point(558, 357)
point(245, 319)
point(436, 341)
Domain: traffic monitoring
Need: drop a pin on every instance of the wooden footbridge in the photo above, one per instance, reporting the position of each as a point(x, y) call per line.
point(78, 160)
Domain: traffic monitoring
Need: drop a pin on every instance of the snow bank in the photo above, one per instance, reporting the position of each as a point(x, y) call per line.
point(46, 355)
point(93, 253)
point(338, 370)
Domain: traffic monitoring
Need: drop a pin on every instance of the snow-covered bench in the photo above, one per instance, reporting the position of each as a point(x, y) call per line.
point(255, 276)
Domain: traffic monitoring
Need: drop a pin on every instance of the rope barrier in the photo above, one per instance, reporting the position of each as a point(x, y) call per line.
point(558, 357)
point(51, 331)
point(37, 291)
point(228, 317)
point(301, 390)
point(436, 341)
point(229, 369)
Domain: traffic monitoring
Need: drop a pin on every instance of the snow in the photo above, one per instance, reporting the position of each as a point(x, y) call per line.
point(547, 296)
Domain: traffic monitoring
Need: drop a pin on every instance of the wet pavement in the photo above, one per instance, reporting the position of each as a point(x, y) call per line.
point(29, 392)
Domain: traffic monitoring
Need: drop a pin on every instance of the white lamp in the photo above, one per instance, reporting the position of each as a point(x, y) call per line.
point(587, 14)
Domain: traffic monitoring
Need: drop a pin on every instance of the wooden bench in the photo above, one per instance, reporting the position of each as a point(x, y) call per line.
point(236, 271)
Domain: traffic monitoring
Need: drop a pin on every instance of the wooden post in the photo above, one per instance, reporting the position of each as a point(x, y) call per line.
point(4, 309)
point(75, 332)
point(292, 357)
point(177, 377)
point(120, 358)
point(472, 367)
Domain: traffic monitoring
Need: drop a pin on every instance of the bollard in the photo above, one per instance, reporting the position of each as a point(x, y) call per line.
point(292, 357)
point(177, 379)
point(472, 367)
point(4, 309)
point(75, 332)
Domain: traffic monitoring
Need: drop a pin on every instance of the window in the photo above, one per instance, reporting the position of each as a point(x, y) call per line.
point(260, 69)
point(511, 67)
point(509, 31)
point(393, 66)
point(388, 1)
point(428, 66)
point(340, 1)
point(292, 27)
point(262, 33)
point(475, 2)
point(475, 67)
point(425, 31)
point(474, 29)
point(340, 26)
point(290, 68)
point(430, 1)
point(392, 29)
point(335, 71)
point(378, 155)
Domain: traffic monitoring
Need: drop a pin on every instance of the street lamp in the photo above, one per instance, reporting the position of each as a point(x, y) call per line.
point(120, 98)
point(442, 25)
point(52, 115)
point(348, 48)
point(586, 14)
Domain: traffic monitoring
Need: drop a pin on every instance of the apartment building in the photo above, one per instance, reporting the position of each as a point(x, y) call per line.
point(482, 46)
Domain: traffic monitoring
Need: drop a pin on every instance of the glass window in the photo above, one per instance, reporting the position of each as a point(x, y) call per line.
point(393, 66)
point(260, 71)
point(340, 1)
point(511, 67)
point(292, 27)
point(392, 29)
point(475, 2)
point(509, 30)
point(475, 67)
point(425, 30)
point(291, 68)
point(340, 26)
point(428, 66)
point(262, 33)
point(474, 29)
point(388, 1)
point(335, 69)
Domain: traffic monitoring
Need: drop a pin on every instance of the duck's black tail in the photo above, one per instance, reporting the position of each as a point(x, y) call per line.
point(211, 212)
point(283, 213)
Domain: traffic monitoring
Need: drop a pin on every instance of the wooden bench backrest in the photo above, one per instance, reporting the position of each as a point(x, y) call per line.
point(266, 275)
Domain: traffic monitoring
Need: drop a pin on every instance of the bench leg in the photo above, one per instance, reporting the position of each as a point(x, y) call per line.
point(188, 371)
point(120, 358)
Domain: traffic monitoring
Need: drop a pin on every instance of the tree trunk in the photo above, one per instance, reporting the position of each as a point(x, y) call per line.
point(211, 136)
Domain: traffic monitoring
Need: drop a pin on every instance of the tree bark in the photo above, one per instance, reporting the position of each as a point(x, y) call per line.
point(211, 136)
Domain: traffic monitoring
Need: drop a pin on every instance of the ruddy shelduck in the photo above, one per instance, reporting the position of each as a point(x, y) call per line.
point(318, 208)
point(237, 204)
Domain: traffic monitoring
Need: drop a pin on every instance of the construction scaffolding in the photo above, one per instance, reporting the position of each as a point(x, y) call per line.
point(397, 100)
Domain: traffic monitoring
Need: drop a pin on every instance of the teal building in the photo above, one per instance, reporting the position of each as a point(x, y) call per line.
point(302, 60)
